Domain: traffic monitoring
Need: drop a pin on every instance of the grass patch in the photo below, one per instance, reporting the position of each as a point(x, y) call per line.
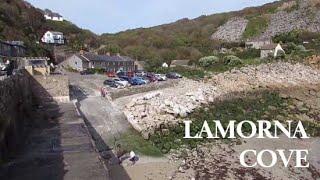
point(255, 26)
point(132, 141)
point(222, 67)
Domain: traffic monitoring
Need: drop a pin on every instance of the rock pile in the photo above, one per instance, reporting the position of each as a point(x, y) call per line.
point(158, 110)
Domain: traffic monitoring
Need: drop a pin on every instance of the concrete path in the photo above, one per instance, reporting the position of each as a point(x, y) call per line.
point(59, 147)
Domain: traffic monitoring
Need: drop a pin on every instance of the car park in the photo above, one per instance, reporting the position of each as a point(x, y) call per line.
point(173, 75)
point(161, 77)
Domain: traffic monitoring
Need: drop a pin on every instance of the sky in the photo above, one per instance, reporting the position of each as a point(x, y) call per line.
point(111, 16)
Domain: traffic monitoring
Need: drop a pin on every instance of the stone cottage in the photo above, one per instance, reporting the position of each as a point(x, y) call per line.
point(87, 60)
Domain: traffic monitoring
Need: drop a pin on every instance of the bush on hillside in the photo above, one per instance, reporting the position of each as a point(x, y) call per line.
point(249, 54)
point(232, 60)
point(208, 61)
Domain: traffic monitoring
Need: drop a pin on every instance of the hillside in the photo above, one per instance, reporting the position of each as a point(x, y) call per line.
point(191, 39)
point(21, 21)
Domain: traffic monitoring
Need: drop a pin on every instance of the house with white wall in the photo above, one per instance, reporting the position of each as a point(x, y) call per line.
point(53, 37)
point(49, 15)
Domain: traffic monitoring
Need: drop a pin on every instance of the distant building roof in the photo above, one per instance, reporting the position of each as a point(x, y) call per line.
point(259, 39)
point(51, 14)
point(55, 32)
point(34, 61)
point(180, 63)
point(95, 57)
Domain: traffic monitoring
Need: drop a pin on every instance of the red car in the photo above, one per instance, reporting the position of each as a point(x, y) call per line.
point(151, 77)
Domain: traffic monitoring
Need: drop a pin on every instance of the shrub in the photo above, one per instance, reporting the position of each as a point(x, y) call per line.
point(208, 61)
point(232, 60)
point(249, 54)
point(300, 48)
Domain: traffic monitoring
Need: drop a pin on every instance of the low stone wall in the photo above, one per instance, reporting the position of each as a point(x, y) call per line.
point(141, 89)
point(16, 102)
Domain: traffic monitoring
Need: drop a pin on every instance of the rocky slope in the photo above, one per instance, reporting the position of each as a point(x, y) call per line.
point(292, 15)
point(158, 110)
point(232, 30)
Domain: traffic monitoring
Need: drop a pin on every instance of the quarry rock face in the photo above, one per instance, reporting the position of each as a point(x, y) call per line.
point(158, 110)
point(232, 30)
point(305, 17)
point(301, 19)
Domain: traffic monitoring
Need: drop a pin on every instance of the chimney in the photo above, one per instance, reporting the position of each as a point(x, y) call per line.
point(81, 52)
point(108, 53)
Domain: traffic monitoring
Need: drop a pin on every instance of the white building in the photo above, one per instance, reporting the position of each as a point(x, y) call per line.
point(52, 37)
point(271, 50)
point(49, 15)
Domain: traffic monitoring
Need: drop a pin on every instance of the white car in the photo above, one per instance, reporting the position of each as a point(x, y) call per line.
point(122, 82)
point(161, 77)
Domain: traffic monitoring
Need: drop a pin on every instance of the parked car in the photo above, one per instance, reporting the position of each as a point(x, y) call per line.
point(151, 77)
point(145, 79)
point(137, 81)
point(127, 78)
point(173, 75)
point(122, 82)
point(140, 73)
point(161, 77)
point(3, 69)
point(86, 72)
point(110, 83)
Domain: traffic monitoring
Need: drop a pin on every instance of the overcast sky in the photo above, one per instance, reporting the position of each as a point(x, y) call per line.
point(110, 16)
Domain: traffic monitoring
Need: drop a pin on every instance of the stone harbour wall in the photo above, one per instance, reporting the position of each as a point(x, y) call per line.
point(19, 95)
point(16, 101)
point(51, 88)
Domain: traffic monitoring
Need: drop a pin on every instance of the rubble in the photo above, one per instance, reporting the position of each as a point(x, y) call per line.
point(161, 109)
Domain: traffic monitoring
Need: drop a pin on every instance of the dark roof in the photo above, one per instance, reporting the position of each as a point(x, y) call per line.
point(56, 32)
point(95, 57)
point(269, 47)
point(13, 43)
point(50, 13)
